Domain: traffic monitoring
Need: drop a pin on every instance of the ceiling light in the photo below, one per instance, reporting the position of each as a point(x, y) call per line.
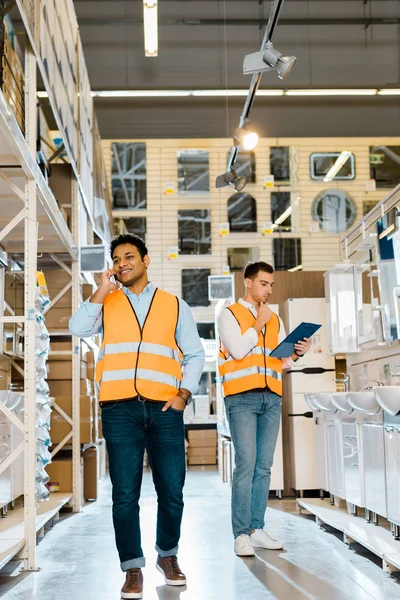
point(340, 161)
point(282, 217)
point(268, 59)
point(389, 92)
point(231, 178)
point(242, 136)
point(337, 92)
point(298, 268)
point(150, 19)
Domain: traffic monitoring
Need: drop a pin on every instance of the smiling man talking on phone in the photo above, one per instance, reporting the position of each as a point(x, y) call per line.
point(150, 362)
point(252, 384)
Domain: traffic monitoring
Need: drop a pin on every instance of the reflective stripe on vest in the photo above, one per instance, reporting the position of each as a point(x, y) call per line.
point(135, 360)
point(256, 369)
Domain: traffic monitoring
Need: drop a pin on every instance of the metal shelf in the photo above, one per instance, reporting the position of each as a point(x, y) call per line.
point(12, 527)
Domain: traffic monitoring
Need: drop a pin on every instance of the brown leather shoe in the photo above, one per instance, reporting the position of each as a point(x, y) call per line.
point(169, 567)
point(133, 586)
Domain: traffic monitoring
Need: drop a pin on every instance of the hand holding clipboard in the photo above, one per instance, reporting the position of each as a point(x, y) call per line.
point(287, 347)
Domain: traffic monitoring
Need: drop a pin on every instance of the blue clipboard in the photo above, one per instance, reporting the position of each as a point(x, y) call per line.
point(286, 348)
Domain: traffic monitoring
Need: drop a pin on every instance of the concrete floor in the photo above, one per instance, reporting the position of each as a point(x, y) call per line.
point(78, 559)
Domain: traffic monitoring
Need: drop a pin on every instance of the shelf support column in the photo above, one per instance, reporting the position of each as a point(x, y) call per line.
point(30, 249)
point(76, 360)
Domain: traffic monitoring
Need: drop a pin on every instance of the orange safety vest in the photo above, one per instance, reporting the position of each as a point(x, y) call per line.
point(256, 369)
point(135, 360)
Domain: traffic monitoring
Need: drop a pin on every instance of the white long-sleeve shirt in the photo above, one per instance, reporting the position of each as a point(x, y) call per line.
point(238, 344)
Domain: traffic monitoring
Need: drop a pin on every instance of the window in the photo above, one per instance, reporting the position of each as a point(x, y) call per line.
point(279, 163)
point(135, 225)
point(128, 175)
point(322, 162)
point(334, 210)
point(239, 257)
point(194, 231)
point(206, 330)
point(193, 171)
point(195, 286)
point(245, 165)
point(384, 164)
point(287, 253)
point(281, 211)
point(242, 213)
point(368, 205)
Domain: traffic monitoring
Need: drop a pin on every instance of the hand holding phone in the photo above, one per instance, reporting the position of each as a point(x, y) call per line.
point(109, 281)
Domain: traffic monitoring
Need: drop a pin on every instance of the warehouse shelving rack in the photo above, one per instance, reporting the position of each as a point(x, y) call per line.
point(31, 222)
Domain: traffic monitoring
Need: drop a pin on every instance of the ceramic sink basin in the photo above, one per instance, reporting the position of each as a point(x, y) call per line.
point(365, 402)
point(323, 400)
point(341, 401)
point(310, 399)
point(388, 397)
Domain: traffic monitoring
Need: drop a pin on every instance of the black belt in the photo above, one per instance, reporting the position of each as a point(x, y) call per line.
point(137, 398)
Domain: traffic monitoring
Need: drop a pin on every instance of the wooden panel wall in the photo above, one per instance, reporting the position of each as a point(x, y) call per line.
point(320, 250)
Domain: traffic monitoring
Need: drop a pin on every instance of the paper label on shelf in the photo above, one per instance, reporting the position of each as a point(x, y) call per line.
point(370, 185)
point(267, 228)
point(269, 181)
point(226, 270)
point(224, 229)
point(172, 252)
point(169, 188)
point(41, 282)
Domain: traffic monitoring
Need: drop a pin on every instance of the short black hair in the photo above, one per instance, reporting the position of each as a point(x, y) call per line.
point(253, 268)
point(129, 238)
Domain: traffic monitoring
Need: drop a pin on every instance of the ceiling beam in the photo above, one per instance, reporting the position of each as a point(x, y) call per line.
point(293, 21)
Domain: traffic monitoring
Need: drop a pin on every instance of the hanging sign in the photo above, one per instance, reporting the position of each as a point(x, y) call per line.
point(172, 252)
point(223, 229)
point(267, 228)
point(169, 188)
point(269, 181)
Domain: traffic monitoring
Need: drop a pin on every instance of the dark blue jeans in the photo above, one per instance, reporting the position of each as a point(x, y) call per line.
point(129, 428)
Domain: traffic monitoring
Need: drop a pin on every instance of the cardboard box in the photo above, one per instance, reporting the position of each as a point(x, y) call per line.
point(66, 299)
point(207, 451)
point(59, 427)
point(56, 278)
point(202, 460)
point(87, 291)
point(90, 473)
point(62, 345)
point(62, 369)
point(63, 387)
point(60, 470)
point(57, 318)
point(202, 438)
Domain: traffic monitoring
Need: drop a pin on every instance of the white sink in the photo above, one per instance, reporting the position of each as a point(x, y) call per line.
point(365, 402)
point(341, 401)
point(310, 399)
point(323, 400)
point(388, 397)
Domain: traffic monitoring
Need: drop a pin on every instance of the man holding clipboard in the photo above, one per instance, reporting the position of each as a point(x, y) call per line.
point(252, 382)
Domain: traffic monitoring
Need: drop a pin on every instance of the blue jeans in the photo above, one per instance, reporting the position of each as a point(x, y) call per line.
point(129, 428)
point(254, 420)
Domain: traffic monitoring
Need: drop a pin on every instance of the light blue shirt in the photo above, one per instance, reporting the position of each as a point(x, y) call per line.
point(88, 320)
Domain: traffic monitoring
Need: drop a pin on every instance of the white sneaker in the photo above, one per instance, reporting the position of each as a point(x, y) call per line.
point(261, 539)
point(243, 546)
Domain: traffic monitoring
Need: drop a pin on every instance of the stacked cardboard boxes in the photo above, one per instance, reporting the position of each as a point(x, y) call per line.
point(202, 448)
point(12, 79)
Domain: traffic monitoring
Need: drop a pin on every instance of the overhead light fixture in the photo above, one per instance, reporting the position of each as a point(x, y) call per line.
point(238, 93)
point(389, 92)
point(340, 161)
point(282, 217)
point(298, 268)
point(243, 136)
point(268, 59)
point(332, 92)
point(150, 20)
point(231, 178)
